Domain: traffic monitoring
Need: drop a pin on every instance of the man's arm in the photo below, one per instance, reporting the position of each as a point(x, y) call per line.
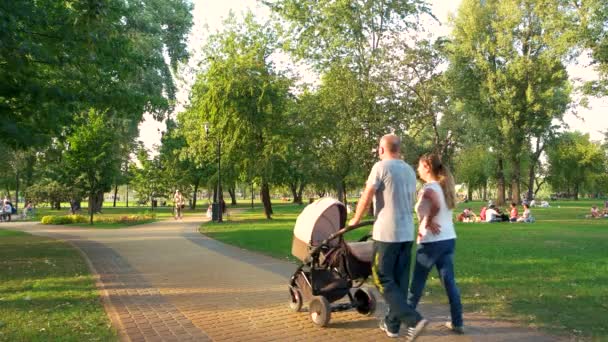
point(363, 204)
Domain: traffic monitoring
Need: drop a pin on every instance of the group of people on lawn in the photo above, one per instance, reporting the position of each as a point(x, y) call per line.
point(7, 210)
point(492, 213)
point(595, 211)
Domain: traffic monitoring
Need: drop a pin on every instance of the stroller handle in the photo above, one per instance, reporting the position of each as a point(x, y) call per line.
point(335, 235)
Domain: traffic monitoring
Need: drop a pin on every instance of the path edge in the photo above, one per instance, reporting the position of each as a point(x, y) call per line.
point(104, 296)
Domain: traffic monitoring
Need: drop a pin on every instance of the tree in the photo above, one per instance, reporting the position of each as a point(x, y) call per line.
point(345, 41)
point(62, 58)
point(574, 161)
point(511, 53)
point(243, 98)
point(149, 180)
point(474, 167)
point(92, 157)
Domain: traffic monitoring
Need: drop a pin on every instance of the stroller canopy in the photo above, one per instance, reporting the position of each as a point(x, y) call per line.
point(316, 223)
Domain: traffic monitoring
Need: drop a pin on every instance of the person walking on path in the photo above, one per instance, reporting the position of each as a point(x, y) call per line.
point(436, 236)
point(392, 184)
point(178, 201)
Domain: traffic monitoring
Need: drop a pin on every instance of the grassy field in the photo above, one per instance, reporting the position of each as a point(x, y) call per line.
point(552, 274)
point(47, 292)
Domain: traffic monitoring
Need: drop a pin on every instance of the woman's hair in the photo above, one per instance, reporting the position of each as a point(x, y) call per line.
point(444, 175)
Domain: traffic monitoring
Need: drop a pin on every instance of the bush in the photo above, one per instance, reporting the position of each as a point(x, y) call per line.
point(124, 219)
point(65, 219)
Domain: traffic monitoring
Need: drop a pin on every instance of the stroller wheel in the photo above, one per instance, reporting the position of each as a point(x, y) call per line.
point(365, 301)
point(295, 299)
point(320, 311)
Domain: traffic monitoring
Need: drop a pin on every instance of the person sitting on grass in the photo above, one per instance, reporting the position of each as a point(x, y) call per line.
point(7, 211)
point(482, 214)
point(595, 212)
point(513, 214)
point(492, 215)
point(527, 216)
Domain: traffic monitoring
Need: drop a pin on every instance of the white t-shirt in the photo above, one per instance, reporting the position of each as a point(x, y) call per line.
point(491, 214)
point(443, 217)
point(395, 184)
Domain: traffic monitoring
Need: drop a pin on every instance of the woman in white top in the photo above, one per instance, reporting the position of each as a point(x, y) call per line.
point(436, 236)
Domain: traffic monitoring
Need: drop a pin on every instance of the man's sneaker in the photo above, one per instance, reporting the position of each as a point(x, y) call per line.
point(413, 332)
point(384, 328)
point(455, 328)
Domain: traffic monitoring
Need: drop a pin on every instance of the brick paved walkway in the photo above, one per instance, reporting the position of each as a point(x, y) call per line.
point(166, 282)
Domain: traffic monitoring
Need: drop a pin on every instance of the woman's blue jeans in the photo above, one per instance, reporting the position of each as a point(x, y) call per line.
point(441, 255)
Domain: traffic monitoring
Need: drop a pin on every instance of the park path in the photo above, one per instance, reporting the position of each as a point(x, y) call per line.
point(166, 282)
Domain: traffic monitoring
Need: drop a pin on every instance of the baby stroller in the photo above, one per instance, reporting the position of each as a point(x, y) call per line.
point(331, 268)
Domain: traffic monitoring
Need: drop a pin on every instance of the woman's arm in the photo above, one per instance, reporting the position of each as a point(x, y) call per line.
point(428, 208)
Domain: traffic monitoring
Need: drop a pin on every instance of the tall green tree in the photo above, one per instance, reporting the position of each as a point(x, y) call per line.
point(574, 162)
point(508, 58)
point(92, 157)
point(345, 41)
point(60, 58)
point(242, 97)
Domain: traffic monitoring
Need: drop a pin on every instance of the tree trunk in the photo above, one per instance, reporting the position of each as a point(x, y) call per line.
point(576, 192)
point(127, 195)
point(294, 192)
point(501, 183)
point(265, 196)
point(469, 193)
point(232, 192)
point(99, 202)
point(115, 195)
point(516, 181)
point(252, 195)
point(341, 191)
point(91, 207)
point(484, 195)
point(193, 207)
point(531, 178)
point(300, 190)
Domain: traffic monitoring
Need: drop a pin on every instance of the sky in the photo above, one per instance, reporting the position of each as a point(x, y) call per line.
point(209, 14)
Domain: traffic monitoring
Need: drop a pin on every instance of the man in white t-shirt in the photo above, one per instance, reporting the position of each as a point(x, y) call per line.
point(392, 185)
point(492, 215)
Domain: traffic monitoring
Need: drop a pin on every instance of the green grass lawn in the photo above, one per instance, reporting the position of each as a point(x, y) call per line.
point(47, 292)
point(552, 274)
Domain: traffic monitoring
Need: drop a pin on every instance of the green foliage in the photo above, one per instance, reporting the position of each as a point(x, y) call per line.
point(92, 157)
point(507, 65)
point(352, 31)
point(149, 180)
point(575, 162)
point(242, 97)
point(62, 58)
point(474, 166)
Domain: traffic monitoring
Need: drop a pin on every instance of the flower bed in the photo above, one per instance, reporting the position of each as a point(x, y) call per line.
point(122, 219)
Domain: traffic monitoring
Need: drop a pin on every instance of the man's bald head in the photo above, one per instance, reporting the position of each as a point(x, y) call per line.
point(391, 143)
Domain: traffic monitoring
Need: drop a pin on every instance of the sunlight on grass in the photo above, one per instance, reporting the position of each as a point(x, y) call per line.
point(47, 292)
